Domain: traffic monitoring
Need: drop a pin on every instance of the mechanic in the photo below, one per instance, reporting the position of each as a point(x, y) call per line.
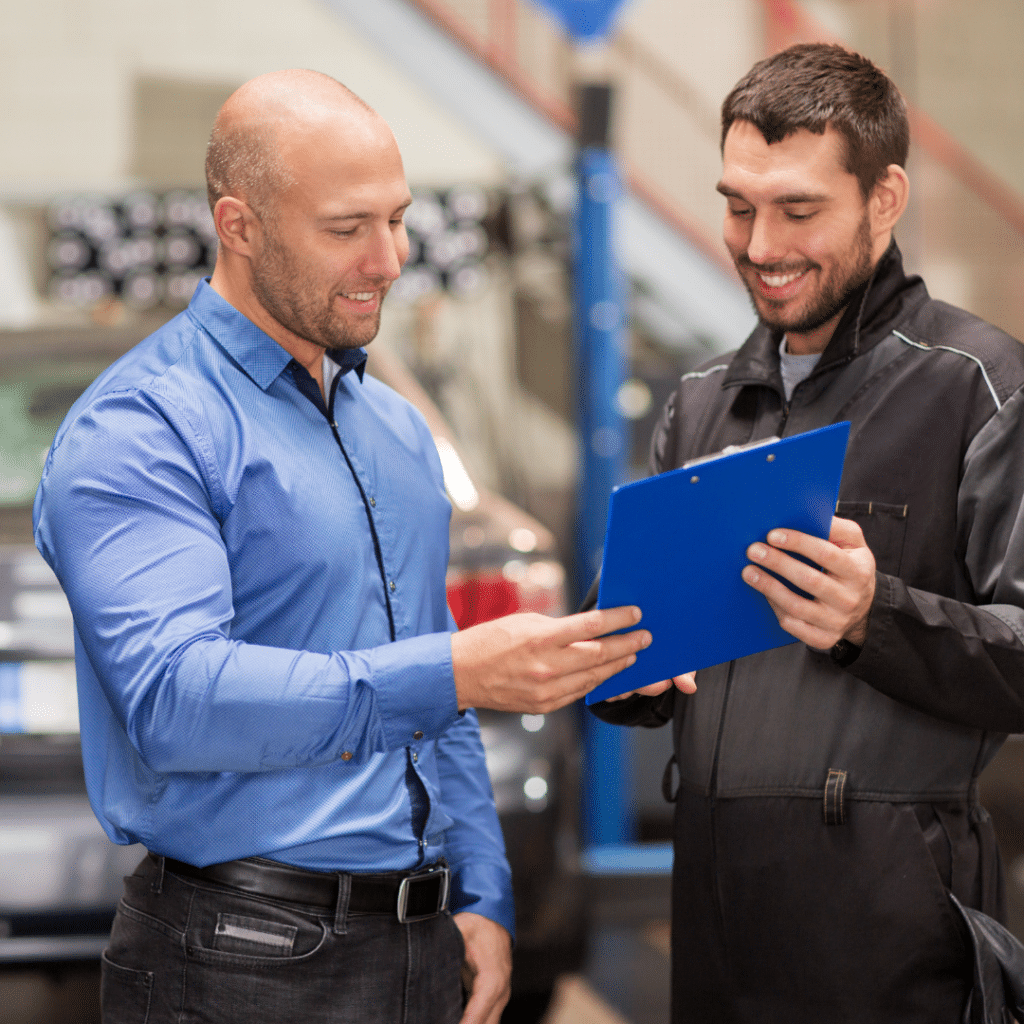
point(253, 538)
point(827, 793)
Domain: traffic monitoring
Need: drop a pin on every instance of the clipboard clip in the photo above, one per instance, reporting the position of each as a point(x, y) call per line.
point(731, 449)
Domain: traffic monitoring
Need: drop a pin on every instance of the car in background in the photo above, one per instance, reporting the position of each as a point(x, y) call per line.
point(60, 877)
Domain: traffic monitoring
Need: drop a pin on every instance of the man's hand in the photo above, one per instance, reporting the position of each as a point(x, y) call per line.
point(536, 664)
point(843, 588)
point(687, 683)
point(487, 969)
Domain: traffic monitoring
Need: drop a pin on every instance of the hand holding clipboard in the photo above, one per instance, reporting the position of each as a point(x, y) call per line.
point(677, 545)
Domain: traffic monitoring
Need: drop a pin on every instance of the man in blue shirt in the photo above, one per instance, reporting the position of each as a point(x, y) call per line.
point(253, 539)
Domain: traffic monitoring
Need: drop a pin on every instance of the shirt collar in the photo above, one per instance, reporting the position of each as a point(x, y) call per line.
point(254, 350)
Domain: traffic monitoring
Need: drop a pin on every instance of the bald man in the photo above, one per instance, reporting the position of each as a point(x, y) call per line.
point(253, 538)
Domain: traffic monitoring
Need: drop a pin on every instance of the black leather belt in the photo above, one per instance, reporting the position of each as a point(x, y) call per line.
point(409, 895)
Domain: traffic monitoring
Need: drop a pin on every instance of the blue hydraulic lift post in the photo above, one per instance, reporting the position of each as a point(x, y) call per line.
point(600, 363)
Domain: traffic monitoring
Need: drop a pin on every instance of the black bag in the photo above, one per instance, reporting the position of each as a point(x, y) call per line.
point(998, 993)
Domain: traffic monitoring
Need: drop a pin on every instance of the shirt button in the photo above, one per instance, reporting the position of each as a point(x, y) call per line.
point(418, 734)
point(392, 586)
point(373, 502)
point(347, 755)
point(415, 757)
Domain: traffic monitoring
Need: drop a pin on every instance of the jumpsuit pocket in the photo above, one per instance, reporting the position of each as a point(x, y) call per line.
point(931, 859)
point(124, 993)
point(884, 527)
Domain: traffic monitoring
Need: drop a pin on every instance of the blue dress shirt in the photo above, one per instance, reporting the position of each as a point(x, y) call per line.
point(261, 630)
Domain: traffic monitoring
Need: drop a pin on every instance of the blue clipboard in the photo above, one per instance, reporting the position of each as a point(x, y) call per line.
point(676, 544)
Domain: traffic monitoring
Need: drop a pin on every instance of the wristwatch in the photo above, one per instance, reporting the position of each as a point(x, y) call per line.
point(844, 653)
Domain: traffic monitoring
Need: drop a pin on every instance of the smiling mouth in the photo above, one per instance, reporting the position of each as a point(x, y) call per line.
point(359, 296)
point(780, 280)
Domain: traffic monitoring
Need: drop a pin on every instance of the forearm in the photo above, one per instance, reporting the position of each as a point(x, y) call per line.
point(220, 705)
point(481, 877)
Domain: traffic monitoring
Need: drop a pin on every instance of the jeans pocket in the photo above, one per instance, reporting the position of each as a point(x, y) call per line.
point(124, 993)
point(253, 936)
point(231, 929)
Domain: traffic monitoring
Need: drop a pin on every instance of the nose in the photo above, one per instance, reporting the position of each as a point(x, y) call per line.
point(766, 243)
point(386, 253)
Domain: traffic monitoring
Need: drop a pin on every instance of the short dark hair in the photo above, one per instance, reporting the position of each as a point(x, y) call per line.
point(814, 85)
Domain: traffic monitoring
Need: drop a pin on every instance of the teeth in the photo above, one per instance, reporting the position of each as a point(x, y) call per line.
point(359, 296)
point(779, 280)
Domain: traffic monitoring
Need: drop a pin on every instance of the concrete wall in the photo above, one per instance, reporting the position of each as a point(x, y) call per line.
point(70, 75)
point(961, 62)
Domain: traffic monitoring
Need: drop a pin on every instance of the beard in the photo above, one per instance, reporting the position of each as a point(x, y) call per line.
point(834, 291)
point(293, 299)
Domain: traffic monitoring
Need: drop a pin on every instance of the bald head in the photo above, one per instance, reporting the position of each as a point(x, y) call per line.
point(247, 156)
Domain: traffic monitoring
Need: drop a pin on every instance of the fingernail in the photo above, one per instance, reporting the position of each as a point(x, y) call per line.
point(637, 614)
point(630, 660)
point(646, 640)
point(757, 551)
point(777, 537)
point(751, 575)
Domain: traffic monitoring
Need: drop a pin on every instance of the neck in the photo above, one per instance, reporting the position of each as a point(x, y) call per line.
point(813, 342)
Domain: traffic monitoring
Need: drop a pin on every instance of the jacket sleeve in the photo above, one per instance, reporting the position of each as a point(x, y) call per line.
point(128, 516)
point(963, 660)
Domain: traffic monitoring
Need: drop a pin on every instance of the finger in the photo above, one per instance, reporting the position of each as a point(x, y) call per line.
point(584, 654)
point(808, 578)
point(845, 533)
point(779, 596)
point(686, 683)
point(818, 637)
point(817, 625)
point(579, 684)
point(651, 690)
point(597, 622)
point(486, 1001)
point(833, 558)
point(814, 548)
point(481, 1008)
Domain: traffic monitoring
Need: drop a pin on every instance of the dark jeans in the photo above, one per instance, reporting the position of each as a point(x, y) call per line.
point(185, 952)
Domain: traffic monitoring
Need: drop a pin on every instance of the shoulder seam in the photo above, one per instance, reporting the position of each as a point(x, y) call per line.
point(959, 352)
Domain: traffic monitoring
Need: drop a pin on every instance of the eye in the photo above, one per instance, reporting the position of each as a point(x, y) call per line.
point(740, 211)
point(799, 215)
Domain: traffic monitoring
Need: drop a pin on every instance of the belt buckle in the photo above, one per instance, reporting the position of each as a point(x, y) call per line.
point(428, 888)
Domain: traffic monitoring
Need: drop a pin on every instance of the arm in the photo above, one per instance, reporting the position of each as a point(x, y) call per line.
point(959, 660)
point(481, 898)
point(129, 515)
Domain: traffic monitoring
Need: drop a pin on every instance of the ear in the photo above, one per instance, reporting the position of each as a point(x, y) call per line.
point(888, 200)
point(237, 226)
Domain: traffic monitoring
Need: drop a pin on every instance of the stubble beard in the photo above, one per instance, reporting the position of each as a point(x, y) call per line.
point(834, 292)
point(283, 291)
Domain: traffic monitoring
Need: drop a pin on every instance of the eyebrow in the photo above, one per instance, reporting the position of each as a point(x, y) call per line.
point(361, 215)
point(789, 199)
